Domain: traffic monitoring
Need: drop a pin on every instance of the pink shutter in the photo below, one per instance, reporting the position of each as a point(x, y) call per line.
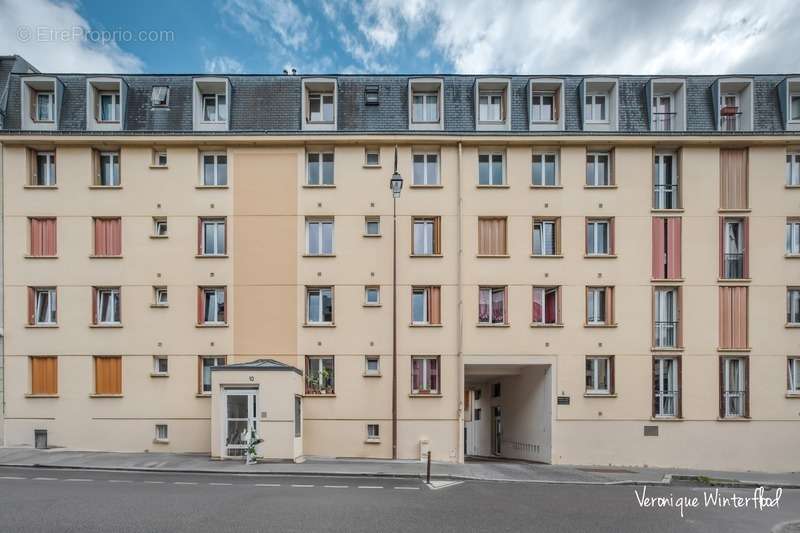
point(415, 373)
point(680, 317)
point(199, 236)
point(115, 236)
point(537, 307)
point(740, 317)
point(746, 232)
point(550, 306)
point(724, 317)
point(673, 247)
point(100, 237)
point(658, 248)
point(434, 373)
point(37, 237)
point(50, 244)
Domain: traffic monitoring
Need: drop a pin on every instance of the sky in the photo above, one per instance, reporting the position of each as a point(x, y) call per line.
point(405, 36)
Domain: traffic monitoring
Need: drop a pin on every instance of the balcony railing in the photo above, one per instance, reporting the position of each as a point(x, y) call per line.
point(665, 196)
point(666, 334)
point(666, 403)
point(735, 401)
point(733, 266)
point(663, 121)
point(729, 118)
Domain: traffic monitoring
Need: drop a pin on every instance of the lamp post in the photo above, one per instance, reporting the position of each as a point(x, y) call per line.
point(396, 185)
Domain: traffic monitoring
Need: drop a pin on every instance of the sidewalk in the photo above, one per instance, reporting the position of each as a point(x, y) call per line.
point(484, 470)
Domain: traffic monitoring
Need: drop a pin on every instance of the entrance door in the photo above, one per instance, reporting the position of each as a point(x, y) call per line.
point(497, 430)
point(240, 413)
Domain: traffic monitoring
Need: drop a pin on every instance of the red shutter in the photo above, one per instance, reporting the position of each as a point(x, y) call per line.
point(612, 378)
point(94, 305)
point(610, 306)
point(746, 231)
point(415, 374)
point(434, 372)
point(115, 236)
point(99, 237)
point(721, 247)
point(201, 312)
point(550, 306)
point(659, 248)
point(673, 247)
point(537, 307)
point(612, 237)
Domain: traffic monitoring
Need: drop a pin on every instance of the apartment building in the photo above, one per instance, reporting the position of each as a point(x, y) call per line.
point(590, 270)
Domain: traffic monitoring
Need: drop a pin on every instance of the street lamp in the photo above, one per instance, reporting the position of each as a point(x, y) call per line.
point(396, 185)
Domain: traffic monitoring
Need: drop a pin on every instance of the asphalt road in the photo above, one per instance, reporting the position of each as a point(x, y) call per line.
point(43, 500)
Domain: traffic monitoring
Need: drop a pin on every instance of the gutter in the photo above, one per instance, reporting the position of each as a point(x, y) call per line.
point(460, 326)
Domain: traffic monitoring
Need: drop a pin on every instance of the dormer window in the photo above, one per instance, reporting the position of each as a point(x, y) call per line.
point(45, 107)
point(160, 96)
point(596, 108)
point(319, 104)
point(667, 104)
point(426, 107)
point(425, 104)
point(598, 98)
point(40, 96)
point(105, 104)
point(542, 109)
point(491, 98)
point(211, 102)
point(108, 107)
point(546, 98)
point(490, 107)
point(734, 99)
point(215, 108)
point(662, 112)
point(729, 112)
point(320, 107)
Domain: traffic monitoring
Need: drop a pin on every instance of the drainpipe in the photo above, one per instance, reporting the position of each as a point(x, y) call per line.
point(460, 333)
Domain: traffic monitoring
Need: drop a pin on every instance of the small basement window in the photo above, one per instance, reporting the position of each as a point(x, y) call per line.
point(162, 434)
point(373, 432)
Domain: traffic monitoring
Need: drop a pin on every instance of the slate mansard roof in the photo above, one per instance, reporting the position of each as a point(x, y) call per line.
point(272, 104)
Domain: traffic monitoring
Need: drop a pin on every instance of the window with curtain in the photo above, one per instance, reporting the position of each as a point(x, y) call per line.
point(215, 169)
point(43, 241)
point(425, 107)
point(213, 308)
point(543, 107)
point(599, 306)
point(599, 375)
point(491, 168)
point(598, 169)
point(426, 168)
point(734, 243)
point(492, 236)
point(665, 181)
point(544, 169)
point(43, 309)
point(107, 306)
point(734, 392)
point(319, 169)
point(319, 236)
point(792, 236)
point(666, 315)
point(492, 303)
point(793, 375)
point(793, 166)
point(215, 107)
point(212, 235)
point(107, 237)
point(425, 375)
point(107, 169)
point(319, 305)
point(546, 306)
point(43, 169)
point(793, 306)
point(426, 237)
point(666, 387)
point(320, 107)
point(206, 363)
point(599, 237)
point(546, 236)
point(426, 305)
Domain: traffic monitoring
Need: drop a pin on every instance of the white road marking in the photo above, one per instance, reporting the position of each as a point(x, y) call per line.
point(369, 487)
point(221, 484)
point(335, 486)
point(267, 485)
point(184, 483)
point(120, 481)
point(78, 479)
point(45, 479)
point(154, 482)
point(407, 488)
point(302, 486)
point(12, 477)
point(436, 485)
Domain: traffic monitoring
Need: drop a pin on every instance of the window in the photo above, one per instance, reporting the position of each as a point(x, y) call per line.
point(215, 108)
point(298, 416)
point(108, 376)
point(666, 387)
point(372, 226)
point(599, 375)
point(42, 306)
point(490, 168)
point(108, 107)
point(426, 168)
point(320, 107)
point(477, 414)
point(599, 236)
point(44, 376)
point(425, 375)
point(107, 170)
point(373, 432)
point(160, 227)
point(734, 256)
point(793, 236)
point(599, 306)
point(372, 365)
point(733, 387)
point(729, 112)
point(107, 306)
point(477, 394)
point(666, 317)
point(496, 390)
point(492, 304)
point(546, 236)
point(426, 305)
point(372, 157)
point(212, 309)
point(320, 168)
point(595, 108)
point(107, 237)
point(546, 306)
point(793, 375)
point(160, 364)
point(425, 107)
point(319, 305)
point(372, 295)
point(492, 236)
point(793, 167)
point(212, 237)
point(319, 375)
point(427, 233)
point(490, 107)
point(665, 187)
point(544, 169)
point(371, 93)
point(793, 306)
point(598, 169)
point(666, 248)
point(43, 169)
point(733, 318)
point(543, 107)
point(43, 237)
point(795, 107)
point(319, 237)
point(162, 434)
point(160, 96)
point(45, 107)
point(215, 169)
point(663, 114)
point(733, 179)
point(160, 158)
point(206, 363)
point(160, 297)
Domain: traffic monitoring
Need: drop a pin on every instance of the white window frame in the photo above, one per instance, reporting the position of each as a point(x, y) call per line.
point(372, 289)
point(216, 177)
point(373, 432)
point(321, 306)
point(50, 168)
point(595, 179)
point(216, 249)
point(428, 236)
point(593, 227)
point(115, 106)
point(543, 241)
point(491, 155)
point(596, 306)
point(426, 179)
point(215, 303)
point(739, 392)
point(372, 220)
point(372, 151)
point(540, 295)
point(657, 122)
point(153, 101)
point(321, 222)
point(594, 105)
point(425, 374)
point(542, 155)
point(737, 118)
point(793, 169)
point(51, 106)
point(162, 436)
point(665, 317)
point(318, 361)
point(158, 155)
point(160, 297)
point(595, 387)
point(158, 223)
point(320, 154)
point(216, 360)
point(319, 117)
point(793, 306)
point(793, 378)
point(113, 295)
point(157, 365)
point(426, 318)
point(425, 95)
point(367, 370)
point(113, 178)
point(494, 100)
point(537, 101)
point(665, 184)
point(217, 117)
point(666, 376)
point(51, 306)
point(492, 291)
point(793, 96)
point(793, 237)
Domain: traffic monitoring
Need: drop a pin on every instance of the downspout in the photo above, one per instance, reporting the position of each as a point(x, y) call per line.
point(2, 301)
point(460, 328)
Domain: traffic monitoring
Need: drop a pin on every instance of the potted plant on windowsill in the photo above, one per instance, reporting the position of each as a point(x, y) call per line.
point(319, 383)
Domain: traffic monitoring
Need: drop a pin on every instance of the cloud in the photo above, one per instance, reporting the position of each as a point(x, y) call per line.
point(265, 19)
point(223, 65)
point(53, 37)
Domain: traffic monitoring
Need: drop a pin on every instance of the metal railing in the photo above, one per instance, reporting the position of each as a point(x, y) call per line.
point(735, 402)
point(729, 118)
point(666, 334)
point(733, 266)
point(667, 402)
point(663, 121)
point(665, 196)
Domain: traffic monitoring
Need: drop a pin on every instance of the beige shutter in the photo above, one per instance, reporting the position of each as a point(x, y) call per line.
point(733, 179)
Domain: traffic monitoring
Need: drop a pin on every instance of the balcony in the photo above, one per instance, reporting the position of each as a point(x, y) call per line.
point(667, 403)
point(665, 334)
point(667, 104)
point(735, 402)
point(729, 118)
point(733, 265)
point(663, 121)
point(665, 196)
point(733, 100)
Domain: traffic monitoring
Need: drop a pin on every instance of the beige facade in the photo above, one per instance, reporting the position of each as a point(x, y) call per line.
point(266, 271)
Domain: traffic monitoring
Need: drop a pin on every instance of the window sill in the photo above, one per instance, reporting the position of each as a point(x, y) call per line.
point(159, 374)
point(105, 396)
point(733, 419)
point(545, 256)
point(49, 187)
point(372, 235)
point(663, 349)
point(791, 186)
point(321, 325)
point(426, 255)
point(791, 256)
point(159, 236)
point(311, 186)
point(41, 395)
point(492, 256)
point(210, 256)
point(734, 210)
point(535, 325)
point(41, 326)
point(599, 256)
point(159, 306)
point(599, 395)
point(28, 256)
point(600, 187)
point(791, 325)
point(225, 325)
point(210, 186)
point(106, 257)
point(666, 419)
point(667, 280)
point(502, 186)
point(426, 186)
point(160, 441)
point(547, 187)
point(158, 167)
point(372, 441)
point(100, 187)
point(666, 210)
point(105, 326)
point(480, 325)
point(793, 395)
point(734, 280)
point(371, 166)
point(736, 350)
point(202, 395)
point(424, 395)
point(423, 325)
point(372, 305)
point(319, 255)
point(378, 374)
point(320, 395)
point(599, 326)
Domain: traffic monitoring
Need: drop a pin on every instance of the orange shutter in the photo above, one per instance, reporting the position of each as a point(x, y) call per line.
point(491, 236)
point(437, 235)
point(434, 305)
point(108, 375)
point(44, 375)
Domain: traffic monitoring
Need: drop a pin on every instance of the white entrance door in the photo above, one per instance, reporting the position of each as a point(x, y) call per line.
point(240, 413)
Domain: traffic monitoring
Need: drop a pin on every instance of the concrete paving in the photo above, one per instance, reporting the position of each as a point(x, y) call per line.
point(486, 470)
